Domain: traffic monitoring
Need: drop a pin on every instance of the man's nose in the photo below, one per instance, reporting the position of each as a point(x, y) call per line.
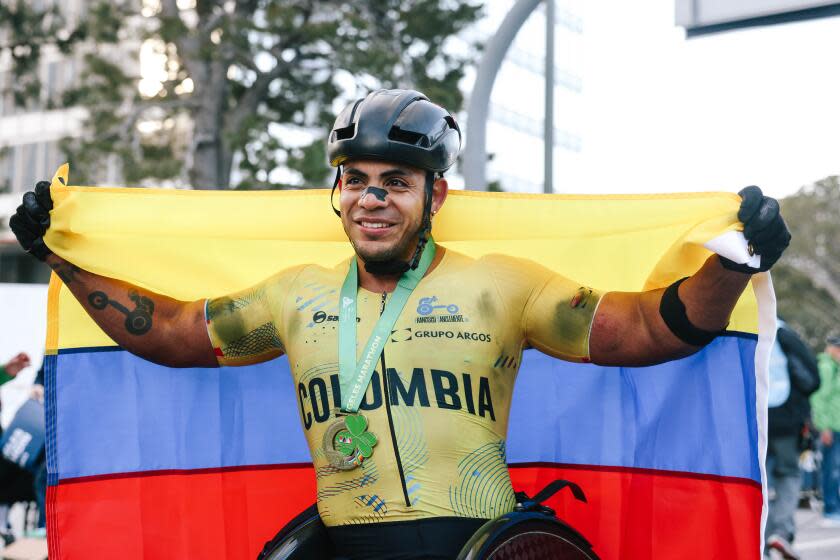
point(373, 197)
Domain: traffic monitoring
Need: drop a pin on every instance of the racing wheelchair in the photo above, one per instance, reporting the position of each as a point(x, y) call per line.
point(531, 531)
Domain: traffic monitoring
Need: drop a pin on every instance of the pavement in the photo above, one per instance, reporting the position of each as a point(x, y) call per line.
point(814, 542)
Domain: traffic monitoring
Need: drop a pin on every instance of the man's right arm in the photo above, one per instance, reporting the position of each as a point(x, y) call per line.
point(153, 326)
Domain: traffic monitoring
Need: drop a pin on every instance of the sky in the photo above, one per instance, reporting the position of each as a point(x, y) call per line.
point(719, 112)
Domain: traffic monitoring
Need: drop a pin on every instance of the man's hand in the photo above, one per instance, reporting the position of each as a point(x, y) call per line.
point(16, 364)
point(32, 219)
point(827, 437)
point(764, 228)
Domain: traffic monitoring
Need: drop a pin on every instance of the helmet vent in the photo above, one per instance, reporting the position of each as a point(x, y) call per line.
point(345, 133)
point(408, 137)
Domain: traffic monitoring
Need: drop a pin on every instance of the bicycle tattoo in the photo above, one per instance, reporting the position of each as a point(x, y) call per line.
point(138, 321)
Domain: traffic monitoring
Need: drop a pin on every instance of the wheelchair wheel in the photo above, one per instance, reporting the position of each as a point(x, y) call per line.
point(530, 532)
point(303, 538)
point(540, 541)
point(527, 536)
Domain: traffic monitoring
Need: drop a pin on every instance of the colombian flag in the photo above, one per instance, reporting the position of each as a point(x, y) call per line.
point(148, 462)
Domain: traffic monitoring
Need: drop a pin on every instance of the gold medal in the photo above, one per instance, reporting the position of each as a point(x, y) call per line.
point(347, 443)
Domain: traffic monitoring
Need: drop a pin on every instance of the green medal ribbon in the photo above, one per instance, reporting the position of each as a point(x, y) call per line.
point(347, 443)
point(354, 377)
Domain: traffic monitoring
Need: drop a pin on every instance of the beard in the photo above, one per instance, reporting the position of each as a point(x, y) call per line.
point(400, 251)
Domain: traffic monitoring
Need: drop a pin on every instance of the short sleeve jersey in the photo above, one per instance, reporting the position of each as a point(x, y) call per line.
point(438, 403)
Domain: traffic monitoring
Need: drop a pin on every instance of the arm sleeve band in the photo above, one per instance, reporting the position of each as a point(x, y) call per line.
point(673, 313)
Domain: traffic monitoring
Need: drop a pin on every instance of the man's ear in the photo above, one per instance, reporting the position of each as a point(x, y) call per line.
point(439, 191)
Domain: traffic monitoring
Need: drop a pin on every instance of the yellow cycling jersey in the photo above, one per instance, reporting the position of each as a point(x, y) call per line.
point(438, 403)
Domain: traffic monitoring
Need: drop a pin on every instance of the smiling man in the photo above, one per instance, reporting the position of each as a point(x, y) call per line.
point(382, 230)
point(404, 395)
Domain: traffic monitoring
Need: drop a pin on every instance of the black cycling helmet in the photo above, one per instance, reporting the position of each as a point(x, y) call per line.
point(397, 125)
point(403, 126)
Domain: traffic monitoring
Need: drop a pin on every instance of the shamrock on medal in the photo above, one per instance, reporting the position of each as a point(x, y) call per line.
point(355, 440)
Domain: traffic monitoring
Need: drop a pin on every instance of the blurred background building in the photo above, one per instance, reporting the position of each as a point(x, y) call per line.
point(517, 103)
point(30, 136)
point(29, 139)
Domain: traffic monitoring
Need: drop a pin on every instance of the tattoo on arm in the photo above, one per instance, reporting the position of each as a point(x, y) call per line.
point(66, 271)
point(138, 321)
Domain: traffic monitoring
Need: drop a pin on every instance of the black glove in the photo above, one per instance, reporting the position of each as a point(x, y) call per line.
point(32, 219)
point(764, 229)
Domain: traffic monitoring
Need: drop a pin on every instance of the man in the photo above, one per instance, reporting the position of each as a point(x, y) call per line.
point(792, 360)
point(826, 405)
point(384, 475)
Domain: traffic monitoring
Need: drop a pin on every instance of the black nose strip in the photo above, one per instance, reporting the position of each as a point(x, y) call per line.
point(380, 194)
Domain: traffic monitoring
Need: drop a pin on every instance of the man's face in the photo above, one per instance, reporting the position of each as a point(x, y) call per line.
point(382, 230)
point(833, 351)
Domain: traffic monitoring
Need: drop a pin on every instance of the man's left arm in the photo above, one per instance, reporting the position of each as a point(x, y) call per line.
point(644, 328)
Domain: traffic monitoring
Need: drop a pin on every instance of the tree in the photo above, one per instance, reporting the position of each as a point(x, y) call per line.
point(807, 277)
point(26, 30)
point(246, 86)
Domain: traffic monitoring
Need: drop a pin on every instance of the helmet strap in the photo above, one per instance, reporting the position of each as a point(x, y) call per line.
point(394, 267)
point(332, 192)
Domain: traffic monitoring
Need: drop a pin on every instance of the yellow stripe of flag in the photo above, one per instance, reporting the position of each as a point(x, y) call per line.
point(196, 244)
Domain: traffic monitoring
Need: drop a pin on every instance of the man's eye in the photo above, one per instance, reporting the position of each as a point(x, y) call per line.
point(396, 183)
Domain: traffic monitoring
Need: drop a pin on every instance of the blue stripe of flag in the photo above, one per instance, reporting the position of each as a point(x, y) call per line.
point(113, 413)
point(695, 414)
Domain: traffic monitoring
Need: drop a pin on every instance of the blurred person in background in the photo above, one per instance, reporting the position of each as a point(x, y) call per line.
point(13, 366)
point(826, 405)
point(16, 483)
point(10, 370)
point(793, 378)
point(23, 479)
point(39, 481)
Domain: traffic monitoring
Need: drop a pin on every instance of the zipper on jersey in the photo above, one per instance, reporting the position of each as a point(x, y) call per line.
point(388, 410)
